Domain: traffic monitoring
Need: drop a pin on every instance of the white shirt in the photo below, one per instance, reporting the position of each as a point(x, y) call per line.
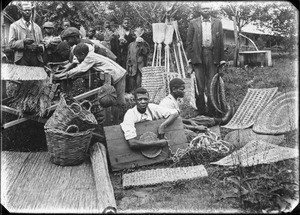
point(170, 102)
point(206, 33)
point(132, 116)
point(30, 26)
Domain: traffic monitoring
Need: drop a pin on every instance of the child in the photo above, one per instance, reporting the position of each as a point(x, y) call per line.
point(90, 60)
point(138, 51)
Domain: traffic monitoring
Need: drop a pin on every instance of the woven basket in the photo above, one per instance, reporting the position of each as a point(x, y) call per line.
point(68, 149)
point(75, 113)
point(156, 81)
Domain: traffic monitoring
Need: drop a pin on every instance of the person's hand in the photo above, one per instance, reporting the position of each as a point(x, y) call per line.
point(123, 40)
point(28, 41)
point(190, 69)
point(201, 128)
point(60, 76)
point(161, 131)
point(139, 40)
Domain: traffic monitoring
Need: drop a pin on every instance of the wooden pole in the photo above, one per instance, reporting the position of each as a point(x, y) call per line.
point(105, 191)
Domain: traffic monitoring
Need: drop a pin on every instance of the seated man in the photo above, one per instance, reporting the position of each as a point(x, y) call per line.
point(143, 111)
point(90, 60)
point(177, 87)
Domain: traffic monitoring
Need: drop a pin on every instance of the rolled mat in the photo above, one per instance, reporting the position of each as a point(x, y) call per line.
point(157, 176)
point(278, 117)
point(251, 106)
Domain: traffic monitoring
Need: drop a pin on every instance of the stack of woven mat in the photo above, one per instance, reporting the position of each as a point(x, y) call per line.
point(260, 123)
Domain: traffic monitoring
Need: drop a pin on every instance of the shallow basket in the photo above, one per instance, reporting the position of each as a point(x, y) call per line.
point(68, 149)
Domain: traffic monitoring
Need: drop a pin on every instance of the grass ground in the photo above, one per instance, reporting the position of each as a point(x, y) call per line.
point(272, 185)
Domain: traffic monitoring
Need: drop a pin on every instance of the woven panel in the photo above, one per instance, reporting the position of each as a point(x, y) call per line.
point(156, 81)
point(278, 117)
point(18, 73)
point(258, 152)
point(254, 101)
point(157, 176)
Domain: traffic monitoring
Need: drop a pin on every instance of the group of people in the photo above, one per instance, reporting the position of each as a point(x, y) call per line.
point(121, 53)
point(124, 55)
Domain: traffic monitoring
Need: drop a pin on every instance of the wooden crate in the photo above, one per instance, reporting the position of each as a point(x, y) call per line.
point(120, 154)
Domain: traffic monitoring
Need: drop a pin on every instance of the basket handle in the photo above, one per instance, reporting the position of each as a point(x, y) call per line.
point(76, 108)
point(86, 104)
point(72, 129)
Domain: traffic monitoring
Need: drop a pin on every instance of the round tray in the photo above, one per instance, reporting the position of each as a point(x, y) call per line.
point(151, 152)
point(278, 116)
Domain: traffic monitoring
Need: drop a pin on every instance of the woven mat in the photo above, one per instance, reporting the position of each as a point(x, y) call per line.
point(239, 138)
point(157, 176)
point(258, 152)
point(18, 73)
point(251, 106)
point(279, 116)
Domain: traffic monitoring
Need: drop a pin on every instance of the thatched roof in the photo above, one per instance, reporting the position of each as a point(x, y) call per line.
point(19, 73)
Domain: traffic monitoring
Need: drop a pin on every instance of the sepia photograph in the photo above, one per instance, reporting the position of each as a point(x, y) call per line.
point(150, 107)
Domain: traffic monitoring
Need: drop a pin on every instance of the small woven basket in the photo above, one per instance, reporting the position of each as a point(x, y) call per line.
point(75, 113)
point(68, 149)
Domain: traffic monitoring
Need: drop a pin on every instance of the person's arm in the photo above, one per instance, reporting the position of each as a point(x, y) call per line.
point(221, 42)
point(138, 144)
point(189, 41)
point(168, 121)
point(84, 66)
point(14, 42)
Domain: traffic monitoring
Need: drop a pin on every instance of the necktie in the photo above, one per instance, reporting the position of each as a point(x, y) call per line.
point(27, 24)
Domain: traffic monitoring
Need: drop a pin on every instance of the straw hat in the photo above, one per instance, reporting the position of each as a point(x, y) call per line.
point(278, 116)
point(151, 152)
point(48, 25)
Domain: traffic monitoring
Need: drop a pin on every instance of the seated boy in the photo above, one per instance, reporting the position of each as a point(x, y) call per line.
point(90, 60)
point(192, 125)
point(143, 111)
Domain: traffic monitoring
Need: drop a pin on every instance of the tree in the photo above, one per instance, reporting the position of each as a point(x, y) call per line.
point(241, 14)
point(281, 18)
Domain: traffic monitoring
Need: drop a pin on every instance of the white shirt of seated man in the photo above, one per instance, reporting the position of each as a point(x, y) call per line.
point(140, 113)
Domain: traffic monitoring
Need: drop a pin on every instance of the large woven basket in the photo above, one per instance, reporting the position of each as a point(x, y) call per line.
point(73, 113)
point(68, 149)
point(156, 81)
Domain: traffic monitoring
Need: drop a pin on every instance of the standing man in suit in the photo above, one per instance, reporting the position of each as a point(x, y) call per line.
point(205, 51)
point(25, 39)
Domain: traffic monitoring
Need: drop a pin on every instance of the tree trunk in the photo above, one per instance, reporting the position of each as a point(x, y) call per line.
point(105, 191)
point(237, 44)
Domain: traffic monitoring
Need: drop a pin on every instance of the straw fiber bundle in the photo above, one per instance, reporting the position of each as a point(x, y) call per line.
point(71, 112)
point(34, 97)
point(32, 184)
point(279, 116)
point(22, 73)
point(258, 152)
point(66, 148)
point(158, 176)
point(251, 106)
point(240, 138)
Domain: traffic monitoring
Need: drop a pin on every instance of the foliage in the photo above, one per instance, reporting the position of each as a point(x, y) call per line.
point(264, 186)
point(245, 13)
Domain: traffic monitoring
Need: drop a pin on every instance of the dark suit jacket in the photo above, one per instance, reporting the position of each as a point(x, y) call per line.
point(194, 40)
